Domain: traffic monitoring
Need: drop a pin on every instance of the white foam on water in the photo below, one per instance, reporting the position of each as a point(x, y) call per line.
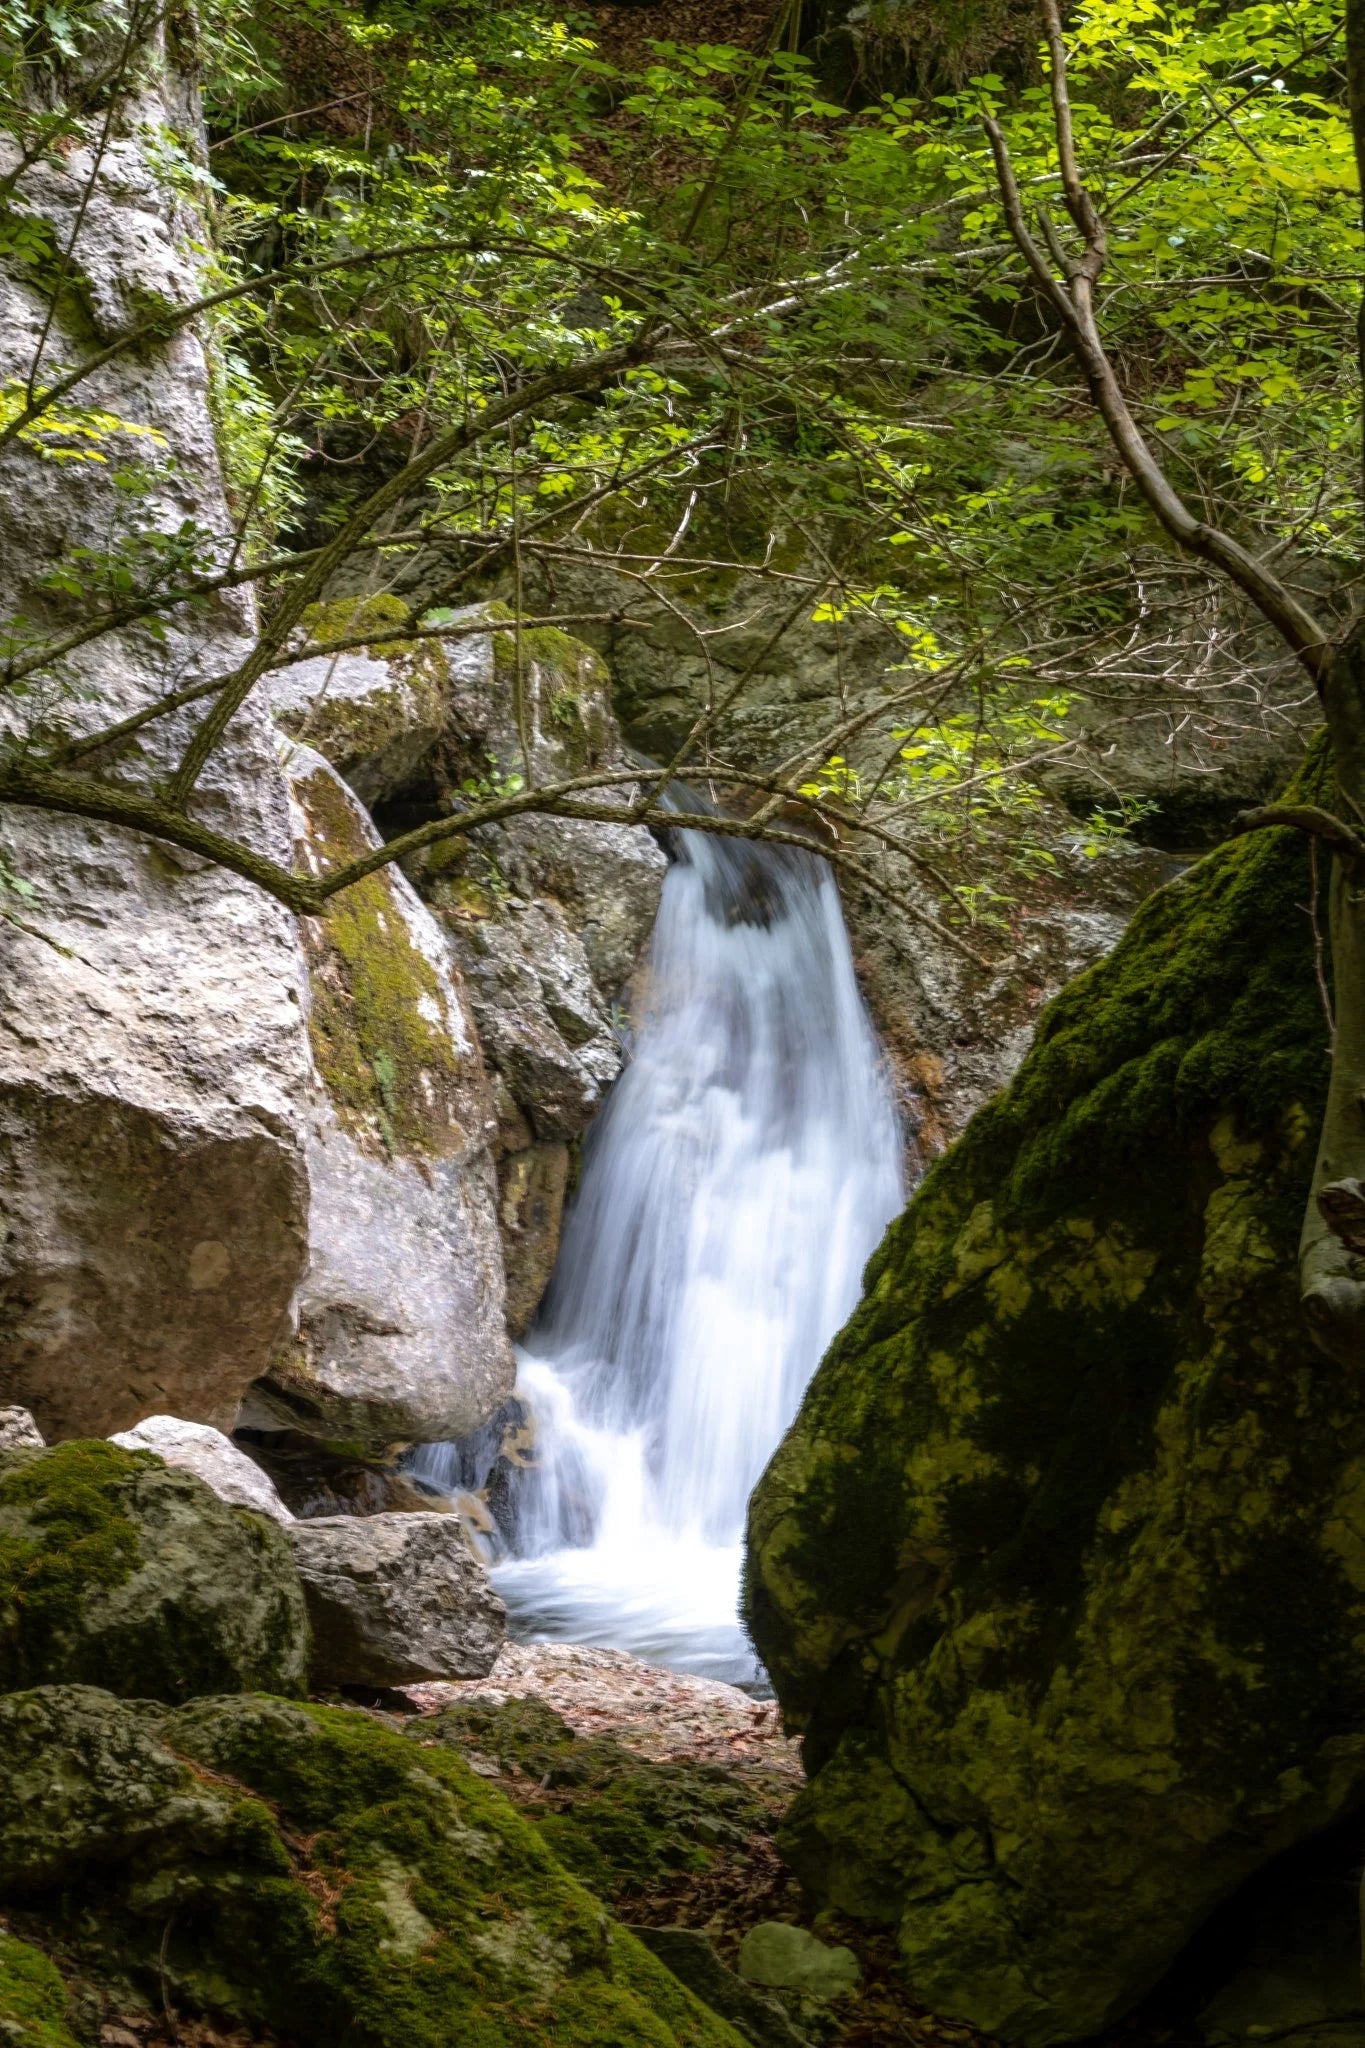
point(744, 1167)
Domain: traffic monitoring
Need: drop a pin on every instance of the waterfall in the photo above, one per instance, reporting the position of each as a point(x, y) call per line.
point(741, 1172)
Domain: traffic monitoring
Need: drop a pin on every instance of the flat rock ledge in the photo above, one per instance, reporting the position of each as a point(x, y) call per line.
point(667, 1716)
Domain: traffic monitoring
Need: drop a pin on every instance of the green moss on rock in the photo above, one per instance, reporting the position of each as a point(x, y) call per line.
point(616, 1820)
point(568, 692)
point(33, 2004)
point(308, 1871)
point(387, 1035)
point(1062, 1566)
point(377, 726)
point(116, 1570)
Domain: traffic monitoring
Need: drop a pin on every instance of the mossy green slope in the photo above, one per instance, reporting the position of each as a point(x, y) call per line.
point(616, 1820)
point(1062, 1566)
point(33, 2004)
point(310, 1872)
point(116, 1570)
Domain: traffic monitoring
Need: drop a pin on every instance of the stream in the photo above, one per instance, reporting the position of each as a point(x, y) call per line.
point(742, 1170)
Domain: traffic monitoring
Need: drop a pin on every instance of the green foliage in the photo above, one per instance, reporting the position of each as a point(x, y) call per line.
point(845, 358)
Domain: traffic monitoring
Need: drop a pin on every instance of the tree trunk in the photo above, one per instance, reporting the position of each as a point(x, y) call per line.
point(1332, 1246)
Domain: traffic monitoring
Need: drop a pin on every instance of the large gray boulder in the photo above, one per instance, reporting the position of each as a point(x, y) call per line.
point(198, 1448)
point(152, 1055)
point(396, 1598)
point(120, 1571)
point(399, 1330)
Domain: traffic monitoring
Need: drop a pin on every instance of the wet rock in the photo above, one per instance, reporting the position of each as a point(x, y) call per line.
point(396, 1598)
point(400, 1314)
point(310, 1874)
point(313, 1478)
point(532, 1186)
point(786, 1958)
point(153, 1059)
point(18, 1431)
point(1083, 1648)
point(546, 918)
point(691, 1956)
point(541, 1020)
point(114, 1567)
point(212, 1457)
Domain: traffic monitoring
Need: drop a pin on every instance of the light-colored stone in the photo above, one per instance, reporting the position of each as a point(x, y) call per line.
point(152, 1055)
point(541, 1020)
point(546, 918)
point(18, 1431)
point(377, 718)
point(787, 1958)
point(211, 1456)
point(400, 1315)
point(396, 1598)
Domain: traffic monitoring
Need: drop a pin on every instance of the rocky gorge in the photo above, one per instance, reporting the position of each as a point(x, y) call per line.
point(1056, 1575)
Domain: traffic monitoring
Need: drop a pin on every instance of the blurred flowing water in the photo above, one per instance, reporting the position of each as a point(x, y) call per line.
point(741, 1172)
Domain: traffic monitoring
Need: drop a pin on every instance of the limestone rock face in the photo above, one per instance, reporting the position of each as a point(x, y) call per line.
point(396, 1598)
point(376, 714)
point(400, 1314)
point(210, 1456)
point(547, 918)
point(114, 1567)
point(1062, 1566)
point(153, 1057)
point(309, 1873)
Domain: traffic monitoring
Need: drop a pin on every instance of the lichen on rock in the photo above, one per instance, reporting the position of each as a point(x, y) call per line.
point(376, 712)
point(116, 1570)
point(390, 1039)
point(310, 1872)
point(1061, 1566)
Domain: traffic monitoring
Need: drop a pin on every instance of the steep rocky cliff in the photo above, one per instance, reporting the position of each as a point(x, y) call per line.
point(244, 1157)
point(1061, 1566)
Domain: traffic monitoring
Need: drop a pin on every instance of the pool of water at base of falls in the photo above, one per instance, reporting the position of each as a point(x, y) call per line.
point(742, 1170)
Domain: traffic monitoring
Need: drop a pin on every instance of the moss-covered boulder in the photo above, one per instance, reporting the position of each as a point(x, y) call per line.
point(1062, 1566)
point(116, 1570)
point(33, 2002)
point(621, 1822)
point(312, 1873)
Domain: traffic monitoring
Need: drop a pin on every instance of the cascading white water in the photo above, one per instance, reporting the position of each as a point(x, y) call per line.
point(743, 1169)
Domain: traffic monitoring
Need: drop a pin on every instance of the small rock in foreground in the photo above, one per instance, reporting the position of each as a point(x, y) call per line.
point(786, 1958)
point(395, 1598)
point(211, 1456)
